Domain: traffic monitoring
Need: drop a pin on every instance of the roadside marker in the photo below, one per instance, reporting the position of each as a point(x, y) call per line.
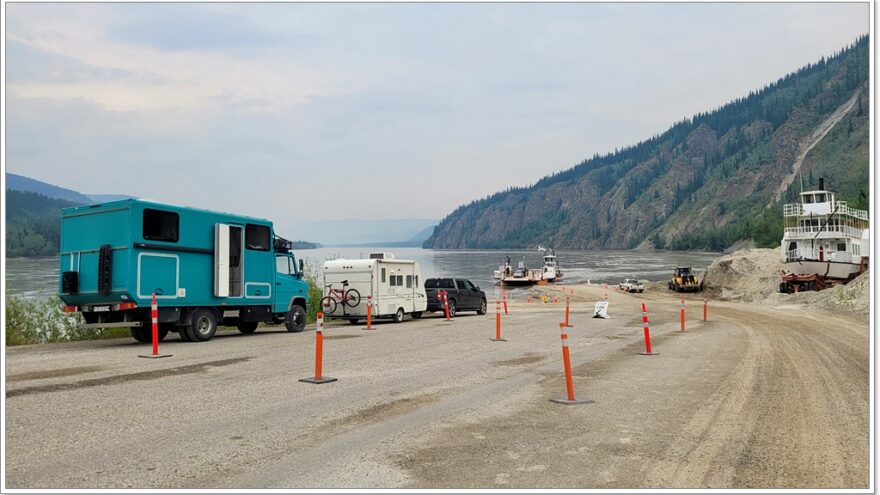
point(567, 301)
point(446, 305)
point(529, 300)
point(319, 354)
point(648, 351)
point(705, 308)
point(569, 382)
point(154, 314)
point(498, 323)
point(682, 314)
point(504, 294)
point(369, 313)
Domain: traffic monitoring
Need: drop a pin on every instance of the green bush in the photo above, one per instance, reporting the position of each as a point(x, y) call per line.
point(41, 322)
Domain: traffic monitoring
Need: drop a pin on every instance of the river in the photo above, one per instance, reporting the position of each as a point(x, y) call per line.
point(37, 278)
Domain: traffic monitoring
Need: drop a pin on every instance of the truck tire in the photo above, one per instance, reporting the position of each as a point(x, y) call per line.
point(186, 334)
point(482, 309)
point(248, 327)
point(398, 316)
point(452, 308)
point(204, 324)
point(295, 321)
point(137, 333)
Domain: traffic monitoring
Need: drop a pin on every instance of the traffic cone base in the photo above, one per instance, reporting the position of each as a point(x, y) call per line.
point(572, 402)
point(318, 381)
point(154, 356)
point(649, 353)
point(498, 340)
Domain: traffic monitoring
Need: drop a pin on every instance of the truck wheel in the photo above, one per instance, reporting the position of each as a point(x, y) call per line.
point(204, 324)
point(248, 327)
point(295, 321)
point(482, 309)
point(398, 317)
point(138, 334)
point(452, 308)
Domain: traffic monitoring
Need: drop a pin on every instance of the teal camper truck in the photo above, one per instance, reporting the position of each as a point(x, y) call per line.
point(205, 268)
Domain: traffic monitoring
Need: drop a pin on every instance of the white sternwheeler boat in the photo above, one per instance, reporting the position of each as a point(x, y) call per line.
point(825, 242)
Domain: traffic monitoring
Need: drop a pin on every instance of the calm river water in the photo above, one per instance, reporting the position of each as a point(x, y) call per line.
point(37, 278)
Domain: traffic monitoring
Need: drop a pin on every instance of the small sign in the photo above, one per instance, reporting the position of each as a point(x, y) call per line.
point(181, 292)
point(601, 310)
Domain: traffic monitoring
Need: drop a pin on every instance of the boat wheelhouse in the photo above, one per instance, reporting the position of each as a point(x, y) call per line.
point(825, 237)
point(551, 270)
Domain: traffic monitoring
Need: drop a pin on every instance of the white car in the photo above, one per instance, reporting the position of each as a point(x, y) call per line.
point(631, 285)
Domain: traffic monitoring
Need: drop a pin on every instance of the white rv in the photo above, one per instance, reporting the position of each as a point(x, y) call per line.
point(395, 287)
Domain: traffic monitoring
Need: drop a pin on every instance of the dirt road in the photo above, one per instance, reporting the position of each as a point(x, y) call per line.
point(758, 396)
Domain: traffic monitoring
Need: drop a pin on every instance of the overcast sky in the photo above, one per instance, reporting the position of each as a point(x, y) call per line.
point(304, 112)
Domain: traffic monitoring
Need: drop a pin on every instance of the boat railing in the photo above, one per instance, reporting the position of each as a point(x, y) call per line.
point(828, 231)
point(839, 208)
point(812, 254)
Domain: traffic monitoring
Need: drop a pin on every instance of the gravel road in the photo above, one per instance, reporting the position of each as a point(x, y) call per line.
point(757, 397)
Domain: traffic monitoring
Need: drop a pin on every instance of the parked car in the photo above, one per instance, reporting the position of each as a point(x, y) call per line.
point(631, 285)
point(461, 294)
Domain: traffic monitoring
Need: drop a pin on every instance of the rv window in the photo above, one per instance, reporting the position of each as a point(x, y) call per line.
point(383, 275)
point(256, 237)
point(399, 280)
point(841, 246)
point(161, 225)
point(393, 281)
point(409, 281)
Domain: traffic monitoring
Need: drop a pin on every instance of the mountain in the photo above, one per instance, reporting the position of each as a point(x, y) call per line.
point(706, 183)
point(33, 224)
point(16, 182)
point(360, 232)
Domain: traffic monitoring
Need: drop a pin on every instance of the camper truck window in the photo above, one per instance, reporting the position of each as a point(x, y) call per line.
point(393, 281)
point(383, 275)
point(256, 237)
point(161, 225)
point(409, 281)
point(284, 264)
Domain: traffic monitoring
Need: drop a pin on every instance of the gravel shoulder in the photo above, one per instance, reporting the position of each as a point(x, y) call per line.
point(759, 396)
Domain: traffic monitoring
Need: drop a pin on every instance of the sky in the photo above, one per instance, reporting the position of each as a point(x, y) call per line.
point(311, 112)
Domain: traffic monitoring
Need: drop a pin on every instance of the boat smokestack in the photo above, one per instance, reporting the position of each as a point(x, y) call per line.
point(821, 183)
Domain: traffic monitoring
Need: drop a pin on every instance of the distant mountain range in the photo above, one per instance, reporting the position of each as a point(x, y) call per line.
point(21, 183)
point(367, 233)
point(706, 183)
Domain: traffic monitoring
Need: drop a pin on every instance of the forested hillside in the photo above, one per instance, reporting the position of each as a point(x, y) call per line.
point(705, 183)
point(33, 224)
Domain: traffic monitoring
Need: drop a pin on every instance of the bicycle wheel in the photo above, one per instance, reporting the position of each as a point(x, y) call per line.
point(352, 298)
point(328, 305)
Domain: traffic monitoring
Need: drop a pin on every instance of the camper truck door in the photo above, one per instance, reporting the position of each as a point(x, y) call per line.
point(228, 260)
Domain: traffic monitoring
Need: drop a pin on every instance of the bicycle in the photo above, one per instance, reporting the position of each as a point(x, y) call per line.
point(348, 297)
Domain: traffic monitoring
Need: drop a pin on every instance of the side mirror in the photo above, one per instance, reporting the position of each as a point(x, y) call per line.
point(477, 289)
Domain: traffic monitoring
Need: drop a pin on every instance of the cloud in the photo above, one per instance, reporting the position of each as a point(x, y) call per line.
point(305, 111)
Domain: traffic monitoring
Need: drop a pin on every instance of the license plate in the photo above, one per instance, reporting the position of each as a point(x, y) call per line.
point(100, 308)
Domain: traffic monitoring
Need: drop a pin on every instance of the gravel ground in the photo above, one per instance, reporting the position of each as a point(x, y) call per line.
point(758, 396)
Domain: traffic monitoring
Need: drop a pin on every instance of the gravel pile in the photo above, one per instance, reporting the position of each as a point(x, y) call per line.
point(755, 274)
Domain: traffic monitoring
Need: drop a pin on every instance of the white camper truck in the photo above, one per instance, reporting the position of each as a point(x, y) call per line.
point(395, 287)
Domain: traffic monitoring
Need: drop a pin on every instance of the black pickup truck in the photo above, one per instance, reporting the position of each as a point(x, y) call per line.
point(461, 293)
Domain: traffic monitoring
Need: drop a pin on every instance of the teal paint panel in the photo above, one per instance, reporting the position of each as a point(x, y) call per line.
point(158, 272)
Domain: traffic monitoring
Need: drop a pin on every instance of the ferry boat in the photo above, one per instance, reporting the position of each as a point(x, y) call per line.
point(551, 271)
point(825, 241)
point(523, 276)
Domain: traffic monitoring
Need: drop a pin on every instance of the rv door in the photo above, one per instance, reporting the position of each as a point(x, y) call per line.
point(228, 240)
